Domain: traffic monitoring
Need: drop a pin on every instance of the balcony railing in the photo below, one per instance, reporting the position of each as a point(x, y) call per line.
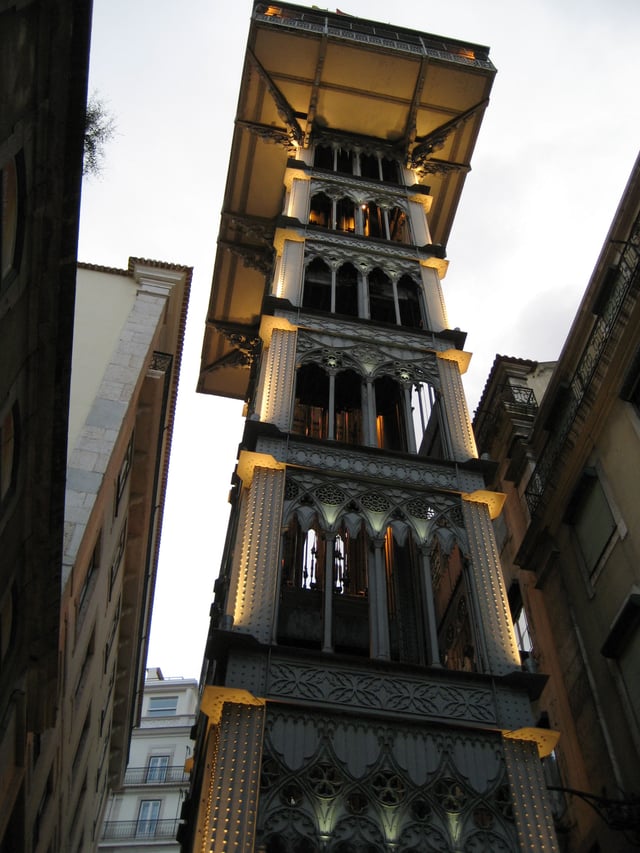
point(624, 281)
point(518, 401)
point(140, 829)
point(155, 775)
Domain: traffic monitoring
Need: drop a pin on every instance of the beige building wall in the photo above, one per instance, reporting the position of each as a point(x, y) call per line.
point(123, 399)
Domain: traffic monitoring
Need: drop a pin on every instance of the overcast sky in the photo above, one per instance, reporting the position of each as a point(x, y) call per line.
point(555, 149)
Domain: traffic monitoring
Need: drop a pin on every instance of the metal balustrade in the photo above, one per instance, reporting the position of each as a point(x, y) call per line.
point(140, 829)
point(155, 775)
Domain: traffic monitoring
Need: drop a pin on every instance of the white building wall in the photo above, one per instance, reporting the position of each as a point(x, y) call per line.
point(158, 736)
point(103, 303)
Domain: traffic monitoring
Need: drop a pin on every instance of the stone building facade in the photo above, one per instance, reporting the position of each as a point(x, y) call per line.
point(566, 439)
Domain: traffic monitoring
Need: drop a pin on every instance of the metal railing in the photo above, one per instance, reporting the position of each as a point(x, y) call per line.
point(140, 828)
point(626, 277)
point(155, 775)
point(516, 400)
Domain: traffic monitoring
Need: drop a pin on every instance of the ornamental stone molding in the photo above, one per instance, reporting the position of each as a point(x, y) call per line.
point(369, 361)
point(373, 466)
point(364, 256)
point(388, 694)
point(335, 501)
point(333, 783)
point(371, 341)
point(360, 191)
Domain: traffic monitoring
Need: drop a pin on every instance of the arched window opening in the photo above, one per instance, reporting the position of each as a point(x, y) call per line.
point(345, 215)
point(301, 585)
point(407, 619)
point(373, 221)
point(348, 407)
point(321, 210)
point(317, 286)
point(391, 426)
point(382, 307)
point(390, 170)
point(323, 157)
point(350, 601)
point(344, 160)
point(307, 609)
point(300, 554)
point(430, 437)
point(451, 597)
point(347, 290)
point(409, 303)
point(311, 405)
point(398, 225)
point(370, 166)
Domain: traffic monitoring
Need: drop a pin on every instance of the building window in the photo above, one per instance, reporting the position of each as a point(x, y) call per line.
point(117, 557)
point(631, 387)
point(373, 167)
point(162, 706)
point(86, 664)
point(113, 631)
point(88, 583)
point(593, 522)
point(328, 406)
point(123, 474)
point(157, 768)
point(311, 559)
point(147, 822)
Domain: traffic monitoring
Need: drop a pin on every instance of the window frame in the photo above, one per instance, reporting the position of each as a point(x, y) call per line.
point(592, 478)
point(162, 711)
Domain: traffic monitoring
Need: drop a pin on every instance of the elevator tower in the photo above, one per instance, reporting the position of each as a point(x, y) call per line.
point(362, 688)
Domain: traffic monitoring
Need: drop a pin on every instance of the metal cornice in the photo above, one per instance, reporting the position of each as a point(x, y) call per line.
point(284, 108)
point(437, 138)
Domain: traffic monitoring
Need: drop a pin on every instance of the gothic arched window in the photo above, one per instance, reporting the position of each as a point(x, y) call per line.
point(311, 406)
point(391, 420)
point(323, 157)
point(381, 300)
point(318, 285)
point(348, 407)
point(328, 406)
point(409, 303)
point(346, 290)
point(321, 210)
point(407, 619)
point(345, 215)
point(311, 559)
point(452, 605)
point(398, 225)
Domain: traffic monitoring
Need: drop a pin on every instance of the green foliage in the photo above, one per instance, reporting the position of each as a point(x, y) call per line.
point(100, 126)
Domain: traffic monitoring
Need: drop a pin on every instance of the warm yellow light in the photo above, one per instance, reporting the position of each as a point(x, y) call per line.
point(545, 739)
point(493, 500)
point(273, 11)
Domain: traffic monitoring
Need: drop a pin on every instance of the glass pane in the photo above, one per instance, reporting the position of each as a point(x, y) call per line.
point(157, 768)
point(147, 818)
point(595, 525)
